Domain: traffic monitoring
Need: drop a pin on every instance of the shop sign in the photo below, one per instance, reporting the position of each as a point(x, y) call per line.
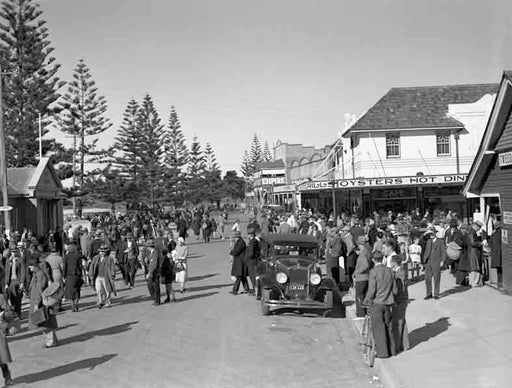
point(385, 182)
point(505, 159)
point(284, 189)
point(507, 218)
point(270, 181)
point(504, 236)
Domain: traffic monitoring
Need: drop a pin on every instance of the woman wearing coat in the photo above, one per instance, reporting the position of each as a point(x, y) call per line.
point(180, 263)
point(38, 284)
point(72, 269)
point(238, 268)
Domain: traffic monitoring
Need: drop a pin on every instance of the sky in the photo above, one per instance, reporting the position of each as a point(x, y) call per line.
point(284, 69)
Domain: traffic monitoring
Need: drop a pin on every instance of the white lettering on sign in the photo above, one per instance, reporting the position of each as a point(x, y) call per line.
point(505, 159)
point(383, 182)
point(507, 218)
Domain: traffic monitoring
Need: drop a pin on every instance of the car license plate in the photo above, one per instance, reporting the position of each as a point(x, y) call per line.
point(296, 287)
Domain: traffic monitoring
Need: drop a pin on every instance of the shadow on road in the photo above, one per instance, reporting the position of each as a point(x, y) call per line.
point(211, 287)
point(202, 277)
point(98, 333)
point(34, 333)
point(192, 297)
point(430, 330)
point(88, 363)
point(455, 290)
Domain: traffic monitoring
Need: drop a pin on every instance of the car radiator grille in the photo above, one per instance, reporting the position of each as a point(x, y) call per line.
point(298, 283)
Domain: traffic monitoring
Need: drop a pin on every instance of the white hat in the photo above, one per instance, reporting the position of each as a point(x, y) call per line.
point(181, 240)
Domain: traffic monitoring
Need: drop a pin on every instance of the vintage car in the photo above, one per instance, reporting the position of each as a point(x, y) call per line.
point(289, 277)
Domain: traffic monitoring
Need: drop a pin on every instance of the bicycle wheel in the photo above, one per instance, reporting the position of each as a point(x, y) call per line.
point(370, 349)
point(364, 334)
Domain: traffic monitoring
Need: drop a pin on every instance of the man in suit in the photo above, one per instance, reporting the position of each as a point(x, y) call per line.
point(433, 260)
point(252, 256)
point(379, 298)
point(15, 277)
point(154, 271)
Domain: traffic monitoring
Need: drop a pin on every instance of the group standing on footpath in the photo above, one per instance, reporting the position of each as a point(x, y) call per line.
point(379, 256)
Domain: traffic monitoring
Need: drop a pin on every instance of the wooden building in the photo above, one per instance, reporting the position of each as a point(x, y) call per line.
point(490, 177)
point(36, 197)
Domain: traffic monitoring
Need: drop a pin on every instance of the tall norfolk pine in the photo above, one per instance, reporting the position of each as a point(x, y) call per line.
point(30, 80)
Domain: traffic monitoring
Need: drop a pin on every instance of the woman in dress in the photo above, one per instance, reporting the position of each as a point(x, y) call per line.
point(72, 269)
point(38, 284)
point(180, 263)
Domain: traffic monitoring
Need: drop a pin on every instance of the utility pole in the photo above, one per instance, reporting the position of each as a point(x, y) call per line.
point(3, 163)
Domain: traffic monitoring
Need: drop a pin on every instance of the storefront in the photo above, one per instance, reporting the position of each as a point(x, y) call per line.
point(363, 196)
point(490, 179)
point(284, 195)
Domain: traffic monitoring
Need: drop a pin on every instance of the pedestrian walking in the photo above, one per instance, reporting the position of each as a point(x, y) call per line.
point(103, 275)
point(361, 274)
point(14, 277)
point(72, 270)
point(379, 298)
point(54, 260)
point(5, 353)
point(132, 259)
point(40, 316)
point(238, 266)
point(398, 311)
point(167, 276)
point(181, 263)
point(252, 256)
point(154, 271)
point(433, 260)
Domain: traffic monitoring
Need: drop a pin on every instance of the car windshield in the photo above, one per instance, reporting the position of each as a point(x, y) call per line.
point(294, 250)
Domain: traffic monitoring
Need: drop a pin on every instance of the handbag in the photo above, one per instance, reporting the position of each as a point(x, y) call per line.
point(52, 294)
point(39, 317)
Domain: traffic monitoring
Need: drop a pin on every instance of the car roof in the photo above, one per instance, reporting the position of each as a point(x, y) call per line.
point(293, 238)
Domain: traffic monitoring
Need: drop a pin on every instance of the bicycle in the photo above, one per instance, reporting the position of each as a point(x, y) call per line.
point(367, 341)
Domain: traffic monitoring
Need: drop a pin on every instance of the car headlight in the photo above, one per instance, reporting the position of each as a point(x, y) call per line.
point(315, 279)
point(281, 277)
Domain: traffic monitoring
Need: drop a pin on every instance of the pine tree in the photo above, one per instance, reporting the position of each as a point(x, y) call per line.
point(127, 143)
point(210, 159)
point(151, 149)
point(176, 151)
point(83, 116)
point(246, 167)
point(256, 154)
point(267, 155)
point(196, 188)
point(31, 82)
point(196, 159)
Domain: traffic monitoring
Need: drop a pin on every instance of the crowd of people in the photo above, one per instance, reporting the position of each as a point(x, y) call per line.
point(379, 256)
point(53, 269)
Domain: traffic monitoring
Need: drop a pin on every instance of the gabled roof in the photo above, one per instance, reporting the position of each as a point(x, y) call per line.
point(22, 180)
point(422, 107)
point(495, 126)
point(276, 164)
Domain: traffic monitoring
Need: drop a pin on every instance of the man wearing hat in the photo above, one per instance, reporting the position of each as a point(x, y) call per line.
point(238, 267)
point(474, 244)
point(103, 272)
point(433, 260)
point(131, 253)
point(121, 257)
point(361, 273)
point(15, 271)
point(154, 260)
point(252, 256)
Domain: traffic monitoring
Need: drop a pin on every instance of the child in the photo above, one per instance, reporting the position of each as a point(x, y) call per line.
point(415, 258)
